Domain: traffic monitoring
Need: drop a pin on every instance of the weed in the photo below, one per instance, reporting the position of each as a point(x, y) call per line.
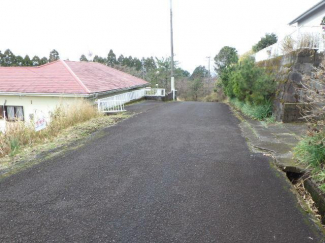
point(259, 112)
point(311, 150)
point(20, 134)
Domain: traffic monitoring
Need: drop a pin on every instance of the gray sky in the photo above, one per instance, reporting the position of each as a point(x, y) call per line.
point(141, 27)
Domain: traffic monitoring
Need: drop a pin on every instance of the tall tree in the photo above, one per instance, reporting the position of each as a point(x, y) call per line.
point(54, 56)
point(137, 64)
point(27, 62)
point(195, 87)
point(149, 64)
point(43, 61)
point(8, 58)
point(267, 40)
point(130, 61)
point(120, 60)
point(36, 61)
point(19, 61)
point(226, 56)
point(99, 59)
point(199, 72)
point(83, 58)
point(111, 58)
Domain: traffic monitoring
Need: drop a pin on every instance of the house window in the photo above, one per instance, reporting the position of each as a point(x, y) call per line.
point(14, 113)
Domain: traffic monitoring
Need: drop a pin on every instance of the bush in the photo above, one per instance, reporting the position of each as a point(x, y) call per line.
point(19, 133)
point(311, 150)
point(250, 83)
point(259, 112)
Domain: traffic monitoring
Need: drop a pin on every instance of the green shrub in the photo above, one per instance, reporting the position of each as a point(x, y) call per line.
point(311, 150)
point(250, 83)
point(259, 112)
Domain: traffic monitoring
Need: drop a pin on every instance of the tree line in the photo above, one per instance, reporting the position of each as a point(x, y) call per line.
point(155, 70)
point(9, 59)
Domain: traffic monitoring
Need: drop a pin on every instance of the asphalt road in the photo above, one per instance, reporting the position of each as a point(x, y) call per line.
point(178, 172)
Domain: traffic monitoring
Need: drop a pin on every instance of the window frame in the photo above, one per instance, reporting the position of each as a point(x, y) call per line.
point(15, 112)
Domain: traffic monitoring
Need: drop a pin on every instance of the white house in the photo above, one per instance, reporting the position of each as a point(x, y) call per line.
point(312, 17)
point(28, 91)
point(309, 33)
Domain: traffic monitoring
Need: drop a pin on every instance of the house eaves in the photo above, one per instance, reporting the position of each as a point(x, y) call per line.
point(67, 95)
point(308, 12)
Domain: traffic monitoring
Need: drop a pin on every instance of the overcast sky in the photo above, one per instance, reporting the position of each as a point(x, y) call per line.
point(141, 27)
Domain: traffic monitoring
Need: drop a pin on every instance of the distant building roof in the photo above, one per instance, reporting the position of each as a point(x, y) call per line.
point(66, 77)
point(308, 12)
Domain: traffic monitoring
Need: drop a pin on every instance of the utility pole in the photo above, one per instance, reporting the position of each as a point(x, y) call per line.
point(209, 66)
point(172, 50)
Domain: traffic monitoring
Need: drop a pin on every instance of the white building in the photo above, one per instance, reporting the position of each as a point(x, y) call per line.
point(309, 34)
point(28, 91)
point(312, 17)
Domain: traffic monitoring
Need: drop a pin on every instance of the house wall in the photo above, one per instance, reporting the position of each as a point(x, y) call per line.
point(313, 19)
point(34, 106)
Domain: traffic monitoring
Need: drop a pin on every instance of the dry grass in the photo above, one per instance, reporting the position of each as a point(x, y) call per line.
point(309, 202)
point(20, 134)
point(306, 40)
point(287, 45)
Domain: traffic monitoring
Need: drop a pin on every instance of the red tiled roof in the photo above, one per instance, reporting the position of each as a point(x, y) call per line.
point(66, 77)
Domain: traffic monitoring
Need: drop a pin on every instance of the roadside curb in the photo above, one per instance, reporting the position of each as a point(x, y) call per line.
point(317, 195)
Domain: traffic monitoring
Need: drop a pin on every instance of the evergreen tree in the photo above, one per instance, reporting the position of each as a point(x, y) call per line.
point(121, 60)
point(126, 61)
point(130, 62)
point(137, 64)
point(83, 58)
point(111, 59)
point(149, 64)
point(99, 59)
point(19, 61)
point(199, 72)
point(27, 62)
point(96, 57)
point(8, 58)
point(43, 61)
point(226, 57)
point(196, 87)
point(54, 56)
point(36, 61)
point(1, 56)
point(266, 41)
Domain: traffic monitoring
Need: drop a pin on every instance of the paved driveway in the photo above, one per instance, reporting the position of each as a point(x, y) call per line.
point(178, 172)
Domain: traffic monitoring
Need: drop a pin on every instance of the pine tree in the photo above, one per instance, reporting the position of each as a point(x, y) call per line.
point(137, 64)
point(129, 61)
point(54, 56)
point(111, 58)
point(121, 60)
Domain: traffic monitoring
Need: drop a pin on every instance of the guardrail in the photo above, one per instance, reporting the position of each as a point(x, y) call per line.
point(116, 103)
point(302, 38)
point(155, 92)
